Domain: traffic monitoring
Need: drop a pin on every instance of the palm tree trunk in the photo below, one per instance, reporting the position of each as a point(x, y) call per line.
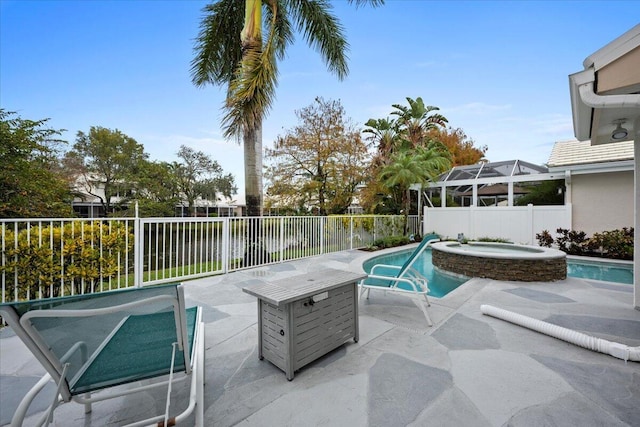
point(251, 38)
point(255, 250)
point(253, 170)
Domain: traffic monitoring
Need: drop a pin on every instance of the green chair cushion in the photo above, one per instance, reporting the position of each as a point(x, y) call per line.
point(140, 349)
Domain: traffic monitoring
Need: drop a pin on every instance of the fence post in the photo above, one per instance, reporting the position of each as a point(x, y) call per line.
point(322, 219)
point(281, 239)
point(137, 253)
point(375, 228)
point(351, 232)
point(226, 244)
point(530, 218)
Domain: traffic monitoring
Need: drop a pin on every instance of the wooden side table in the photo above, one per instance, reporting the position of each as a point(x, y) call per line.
point(302, 318)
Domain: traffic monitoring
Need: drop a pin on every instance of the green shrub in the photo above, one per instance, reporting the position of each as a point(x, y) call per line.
point(572, 242)
point(545, 239)
point(493, 240)
point(51, 260)
point(617, 244)
point(613, 244)
point(391, 242)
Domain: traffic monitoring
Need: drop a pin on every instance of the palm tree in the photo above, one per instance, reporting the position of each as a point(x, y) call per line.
point(416, 120)
point(249, 68)
point(384, 134)
point(409, 167)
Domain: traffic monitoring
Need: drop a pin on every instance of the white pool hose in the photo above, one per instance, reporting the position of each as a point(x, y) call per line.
point(620, 351)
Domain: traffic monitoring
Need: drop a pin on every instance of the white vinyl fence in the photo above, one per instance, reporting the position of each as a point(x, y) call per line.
point(45, 258)
point(518, 224)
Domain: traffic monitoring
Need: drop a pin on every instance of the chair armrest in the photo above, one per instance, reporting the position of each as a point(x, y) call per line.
point(395, 280)
point(378, 266)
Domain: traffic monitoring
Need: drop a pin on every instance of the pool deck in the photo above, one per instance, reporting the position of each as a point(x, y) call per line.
point(467, 370)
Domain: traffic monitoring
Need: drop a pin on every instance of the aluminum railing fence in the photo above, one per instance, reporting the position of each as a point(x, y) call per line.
point(46, 258)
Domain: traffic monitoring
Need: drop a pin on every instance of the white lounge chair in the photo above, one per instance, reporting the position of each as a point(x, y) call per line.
point(97, 341)
point(403, 279)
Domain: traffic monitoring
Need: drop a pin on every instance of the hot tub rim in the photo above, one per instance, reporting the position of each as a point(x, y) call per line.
point(519, 252)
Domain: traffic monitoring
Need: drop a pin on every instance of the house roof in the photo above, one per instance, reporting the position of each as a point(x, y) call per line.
point(574, 152)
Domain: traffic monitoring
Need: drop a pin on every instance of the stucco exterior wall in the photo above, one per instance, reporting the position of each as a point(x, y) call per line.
point(602, 201)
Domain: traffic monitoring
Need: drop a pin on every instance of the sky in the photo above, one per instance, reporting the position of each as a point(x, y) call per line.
point(497, 70)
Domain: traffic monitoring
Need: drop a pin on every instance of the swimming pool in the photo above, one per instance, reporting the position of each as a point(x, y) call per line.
point(600, 270)
point(440, 284)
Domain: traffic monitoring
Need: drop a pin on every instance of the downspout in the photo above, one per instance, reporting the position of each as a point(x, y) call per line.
point(621, 351)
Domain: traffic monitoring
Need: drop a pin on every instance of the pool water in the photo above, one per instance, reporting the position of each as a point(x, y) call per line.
point(440, 284)
point(608, 272)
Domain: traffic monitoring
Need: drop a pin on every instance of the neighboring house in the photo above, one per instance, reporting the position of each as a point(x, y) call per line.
point(87, 203)
point(599, 183)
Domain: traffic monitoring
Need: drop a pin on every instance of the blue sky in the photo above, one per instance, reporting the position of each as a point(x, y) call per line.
point(498, 70)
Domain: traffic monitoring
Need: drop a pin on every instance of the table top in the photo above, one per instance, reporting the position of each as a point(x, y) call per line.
point(294, 288)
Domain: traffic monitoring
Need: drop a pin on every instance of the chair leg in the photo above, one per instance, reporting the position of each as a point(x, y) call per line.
point(424, 311)
point(427, 299)
point(21, 412)
point(200, 378)
point(87, 406)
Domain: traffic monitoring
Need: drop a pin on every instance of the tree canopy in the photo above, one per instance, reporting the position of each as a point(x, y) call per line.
point(411, 129)
point(409, 167)
point(199, 176)
point(157, 191)
point(110, 161)
point(39, 179)
point(460, 146)
point(317, 165)
point(398, 143)
point(31, 180)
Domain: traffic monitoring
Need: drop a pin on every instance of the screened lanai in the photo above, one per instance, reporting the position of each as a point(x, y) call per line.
point(486, 184)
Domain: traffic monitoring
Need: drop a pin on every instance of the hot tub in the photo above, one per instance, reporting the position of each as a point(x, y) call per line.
point(500, 261)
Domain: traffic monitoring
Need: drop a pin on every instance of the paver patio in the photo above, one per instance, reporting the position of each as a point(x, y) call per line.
point(467, 370)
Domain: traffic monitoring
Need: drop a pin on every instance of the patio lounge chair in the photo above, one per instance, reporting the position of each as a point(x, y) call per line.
point(405, 279)
point(105, 340)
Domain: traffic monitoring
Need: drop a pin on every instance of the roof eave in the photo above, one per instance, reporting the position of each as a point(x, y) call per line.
point(601, 167)
point(613, 50)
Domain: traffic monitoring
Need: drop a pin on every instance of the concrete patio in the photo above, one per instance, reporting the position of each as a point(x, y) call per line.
point(467, 370)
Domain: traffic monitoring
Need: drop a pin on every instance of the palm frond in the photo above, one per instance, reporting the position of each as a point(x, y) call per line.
point(218, 54)
point(277, 23)
point(322, 31)
point(252, 90)
point(372, 3)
